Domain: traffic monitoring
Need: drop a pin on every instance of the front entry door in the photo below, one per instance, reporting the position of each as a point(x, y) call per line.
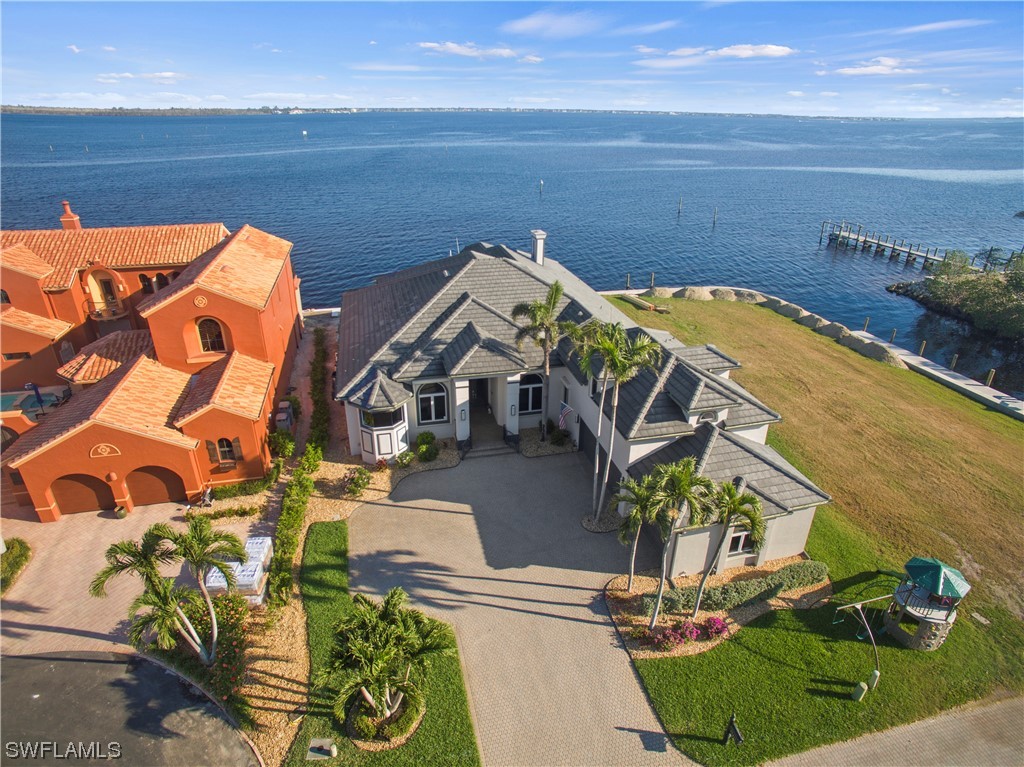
point(478, 394)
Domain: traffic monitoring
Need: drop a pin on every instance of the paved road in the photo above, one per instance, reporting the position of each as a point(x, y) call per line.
point(495, 548)
point(107, 703)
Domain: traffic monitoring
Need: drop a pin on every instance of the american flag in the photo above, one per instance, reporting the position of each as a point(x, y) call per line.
point(563, 413)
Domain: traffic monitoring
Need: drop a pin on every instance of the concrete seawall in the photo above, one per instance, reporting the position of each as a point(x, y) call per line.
point(864, 344)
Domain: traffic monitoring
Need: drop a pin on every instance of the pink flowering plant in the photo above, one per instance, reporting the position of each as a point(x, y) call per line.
point(716, 627)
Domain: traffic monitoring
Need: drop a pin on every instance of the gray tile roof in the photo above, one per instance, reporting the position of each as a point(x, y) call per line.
point(377, 392)
point(724, 457)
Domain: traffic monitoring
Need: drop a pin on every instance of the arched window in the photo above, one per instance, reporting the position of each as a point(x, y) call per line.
point(4, 298)
point(531, 393)
point(211, 336)
point(433, 403)
point(146, 283)
point(225, 450)
point(161, 280)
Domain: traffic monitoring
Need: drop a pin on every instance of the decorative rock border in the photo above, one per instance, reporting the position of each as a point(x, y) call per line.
point(834, 330)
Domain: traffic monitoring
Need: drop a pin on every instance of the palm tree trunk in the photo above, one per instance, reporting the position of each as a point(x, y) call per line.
point(199, 650)
point(544, 394)
point(711, 568)
point(194, 641)
point(597, 444)
point(632, 561)
point(611, 445)
point(661, 583)
point(368, 698)
point(213, 616)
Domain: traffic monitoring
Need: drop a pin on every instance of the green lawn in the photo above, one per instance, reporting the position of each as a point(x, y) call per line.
point(913, 469)
point(446, 735)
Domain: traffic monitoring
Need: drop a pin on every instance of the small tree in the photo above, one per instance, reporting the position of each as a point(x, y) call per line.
point(164, 616)
point(732, 506)
point(642, 497)
point(544, 329)
point(381, 650)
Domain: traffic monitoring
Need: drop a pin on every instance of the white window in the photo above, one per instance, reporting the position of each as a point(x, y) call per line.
point(531, 393)
point(432, 402)
point(741, 543)
point(384, 419)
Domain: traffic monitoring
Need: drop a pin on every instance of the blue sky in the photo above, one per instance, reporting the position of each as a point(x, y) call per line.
point(918, 59)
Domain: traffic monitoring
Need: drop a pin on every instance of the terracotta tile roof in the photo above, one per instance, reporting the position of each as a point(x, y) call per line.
point(140, 397)
point(69, 250)
point(104, 356)
point(236, 383)
point(244, 267)
point(21, 259)
point(10, 317)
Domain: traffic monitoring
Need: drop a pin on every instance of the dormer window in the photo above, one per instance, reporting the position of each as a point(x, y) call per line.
point(709, 417)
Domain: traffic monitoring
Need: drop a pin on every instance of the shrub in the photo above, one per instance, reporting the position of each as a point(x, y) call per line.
point(310, 461)
point(12, 561)
point(249, 486)
point(559, 437)
point(296, 405)
point(688, 630)
point(639, 632)
point(231, 511)
point(403, 722)
point(716, 627)
point(405, 458)
point(281, 444)
point(364, 726)
point(289, 528)
point(668, 639)
point(382, 464)
point(427, 453)
point(320, 420)
point(226, 676)
point(357, 480)
point(735, 593)
point(425, 438)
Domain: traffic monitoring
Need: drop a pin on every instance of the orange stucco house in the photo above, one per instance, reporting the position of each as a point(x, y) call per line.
point(176, 341)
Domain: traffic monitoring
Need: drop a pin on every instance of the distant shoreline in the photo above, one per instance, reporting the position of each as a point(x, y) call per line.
point(288, 111)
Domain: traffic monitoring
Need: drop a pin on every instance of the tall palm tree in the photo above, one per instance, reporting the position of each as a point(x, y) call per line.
point(591, 342)
point(733, 506)
point(644, 502)
point(143, 558)
point(203, 550)
point(164, 616)
point(686, 494)
point(380, 652)
point(625, 357)
point(544, 330)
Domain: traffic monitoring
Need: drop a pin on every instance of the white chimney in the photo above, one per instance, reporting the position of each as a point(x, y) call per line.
point(538, 245)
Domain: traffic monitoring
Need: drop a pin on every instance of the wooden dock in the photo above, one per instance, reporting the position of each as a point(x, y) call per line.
point(843, 235)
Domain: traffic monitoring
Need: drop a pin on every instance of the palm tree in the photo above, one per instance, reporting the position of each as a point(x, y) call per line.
point(381, 650)
point(544, 330)
point(625, 357)
point(143, 558)
point(164, 617)
point(686, 493)
point(592, 342)
point(645, 503)
point(204, 550)
point(733, 506)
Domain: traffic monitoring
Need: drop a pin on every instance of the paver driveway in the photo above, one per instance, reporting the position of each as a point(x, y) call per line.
point(494, 547)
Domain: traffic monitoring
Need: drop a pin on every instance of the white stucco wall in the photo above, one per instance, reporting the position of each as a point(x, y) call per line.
point(757, 434)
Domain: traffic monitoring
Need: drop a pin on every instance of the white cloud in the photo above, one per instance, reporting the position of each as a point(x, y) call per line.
point(796, 94)
point(295, 98)
point(648, 51)
point(80, 97)
point(829, 94)
point(672, 62)
point(470, 50)
point(821, 72)
point(647, 29)
point(217, 97)
point(372, 66)
point(109, 48)
point(754, 51)
point(276, 50)
point(373, 42)
point(320, 77)
point(553, 25)
point(532, 100)
point(940, 26)
point(923, 108)
point(531, 59)
point(161, 78)
point(187, 98)
point(686, 51)
point(881, 65)
point(74, 49)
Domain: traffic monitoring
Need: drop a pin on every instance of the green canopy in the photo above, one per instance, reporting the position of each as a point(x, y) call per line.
point(939, 578)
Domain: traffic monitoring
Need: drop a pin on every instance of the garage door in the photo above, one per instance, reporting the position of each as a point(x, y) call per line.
point(80, 492)
point(155, 484)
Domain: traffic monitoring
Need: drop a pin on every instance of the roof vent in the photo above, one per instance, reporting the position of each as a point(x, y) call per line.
point(445, 273)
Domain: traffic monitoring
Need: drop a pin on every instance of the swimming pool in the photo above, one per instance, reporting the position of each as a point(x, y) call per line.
point(10, 401)
point(25, 400)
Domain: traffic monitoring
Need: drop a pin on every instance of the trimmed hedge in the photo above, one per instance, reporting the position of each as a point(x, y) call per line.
point(286, 541)
point(250, 486)
point(12, 561)
point(232, 511)
point(735, 593)
point(320, 421)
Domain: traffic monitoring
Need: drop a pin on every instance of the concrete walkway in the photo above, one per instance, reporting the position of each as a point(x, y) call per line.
point(990, 735)
point(994, 398)
point(494, 547)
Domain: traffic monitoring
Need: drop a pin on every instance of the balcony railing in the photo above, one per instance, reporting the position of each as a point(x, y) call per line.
point(918, 601)
point(105, 310)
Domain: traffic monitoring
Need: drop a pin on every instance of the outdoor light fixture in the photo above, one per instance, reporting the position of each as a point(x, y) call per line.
point(513, 410)
point(462, 414)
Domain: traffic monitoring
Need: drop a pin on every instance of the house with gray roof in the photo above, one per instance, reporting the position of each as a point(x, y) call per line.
point(433, 348)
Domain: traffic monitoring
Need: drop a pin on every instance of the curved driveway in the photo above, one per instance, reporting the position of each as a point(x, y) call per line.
point(495, 547)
